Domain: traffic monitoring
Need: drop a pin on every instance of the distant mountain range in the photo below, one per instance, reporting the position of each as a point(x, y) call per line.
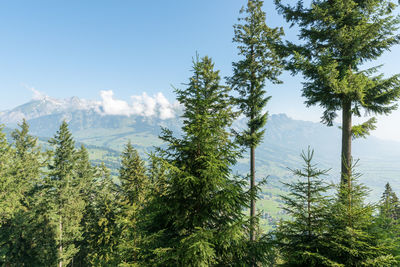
point(283, 142)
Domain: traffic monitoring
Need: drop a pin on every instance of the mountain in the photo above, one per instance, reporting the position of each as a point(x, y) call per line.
point(285, 138)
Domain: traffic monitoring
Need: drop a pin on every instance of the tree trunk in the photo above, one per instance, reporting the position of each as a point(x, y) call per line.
point(252, 190)
point(346, 144)
point(309, 207)
point(60, 247)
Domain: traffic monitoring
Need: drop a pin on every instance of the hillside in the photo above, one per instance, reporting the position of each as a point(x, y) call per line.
point(105, 135)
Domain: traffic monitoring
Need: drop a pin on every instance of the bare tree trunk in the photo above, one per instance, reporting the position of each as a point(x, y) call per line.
point(252, 190)
point(60, 247)
point(346, 143)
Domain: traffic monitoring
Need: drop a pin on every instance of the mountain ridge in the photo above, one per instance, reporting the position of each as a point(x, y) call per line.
point(284, 140)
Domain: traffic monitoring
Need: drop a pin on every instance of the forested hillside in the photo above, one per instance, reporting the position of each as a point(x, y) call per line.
point(215, 180)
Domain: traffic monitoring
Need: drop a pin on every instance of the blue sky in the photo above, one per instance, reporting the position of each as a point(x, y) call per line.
point(77, 48)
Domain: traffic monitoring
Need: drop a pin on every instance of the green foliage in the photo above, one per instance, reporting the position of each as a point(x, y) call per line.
point(260, 62)
point(300, 239)
point(338, 37)
point(25, 237)
point(101, 231)
point(64, 193)
point(387, 224)
point(351, 240)
point(364, 128)
point(197, 220)
point(134, 183)
point(9, 194)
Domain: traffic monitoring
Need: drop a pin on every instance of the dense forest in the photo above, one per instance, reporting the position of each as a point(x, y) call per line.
point(183, 205)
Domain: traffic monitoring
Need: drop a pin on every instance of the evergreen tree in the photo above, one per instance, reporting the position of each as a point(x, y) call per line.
point(387, 224)
point(64, 193)
point(351, 240)
point(26, 239)
point(84, 171)
point(198, 219)
point(260, 62)
point(84, 183)
point(132, 175)
point(300, 239)
point(9, 193)
point(338, 37)
point(134, 183)
point(101, 234)
point(390, 205)
point(9, 200)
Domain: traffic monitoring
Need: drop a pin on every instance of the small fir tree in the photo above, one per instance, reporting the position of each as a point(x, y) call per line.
point(351, 240)
point(300, 239)
point(387, 224)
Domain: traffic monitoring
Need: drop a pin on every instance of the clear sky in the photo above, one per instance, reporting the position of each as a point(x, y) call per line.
point(78, 48)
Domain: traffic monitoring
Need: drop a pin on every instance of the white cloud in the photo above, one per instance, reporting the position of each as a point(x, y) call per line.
point(113, 106)
point(37, 95)
point(165, 108)
point(142, 105)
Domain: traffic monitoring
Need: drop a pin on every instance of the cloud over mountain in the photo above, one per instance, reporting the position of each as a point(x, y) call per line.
point(142, 105)
point(156, 106)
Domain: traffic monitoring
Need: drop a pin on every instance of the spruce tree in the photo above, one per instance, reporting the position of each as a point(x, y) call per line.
point(198, 220)
point(26, 238)
point(64, 193)
point(351, 240)
point(390, 205)
point(259, 63)
point(85, 185)
point(300, 239)
point(10, 198)
point(101, 232)
point(387, 222)
point(337, 38)
point(134, 183)
point(9, 195)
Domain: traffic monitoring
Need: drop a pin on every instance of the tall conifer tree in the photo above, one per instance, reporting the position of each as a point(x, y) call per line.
point(26, 238)
point(101, 233)
point(259, 63)
point(198, 219)
point(338, 37)
point(134, 183)
point(65, 195)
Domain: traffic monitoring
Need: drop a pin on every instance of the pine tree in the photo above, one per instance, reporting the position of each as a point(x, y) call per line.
point(134, 183)
point(300, 239)
point(65, 195)
point(338, 37)
point(198, 220)
point(260, 62)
